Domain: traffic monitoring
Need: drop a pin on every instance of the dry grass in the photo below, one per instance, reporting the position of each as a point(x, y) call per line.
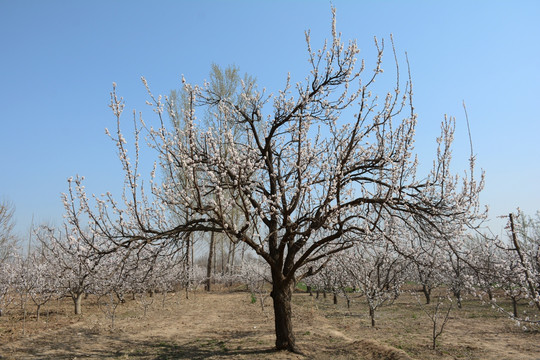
point(226, 325)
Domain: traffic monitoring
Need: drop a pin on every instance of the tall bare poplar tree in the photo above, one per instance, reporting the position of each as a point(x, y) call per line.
point(7, 222)
point(227, 84)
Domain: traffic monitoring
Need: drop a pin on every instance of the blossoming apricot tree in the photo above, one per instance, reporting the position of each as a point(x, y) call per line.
point(315, 166)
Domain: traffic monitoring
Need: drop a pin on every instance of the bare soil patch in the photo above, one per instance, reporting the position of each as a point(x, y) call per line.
point(226, 325)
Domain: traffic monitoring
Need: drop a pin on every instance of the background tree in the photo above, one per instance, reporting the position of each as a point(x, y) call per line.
point(24, 282)
point(428, 264)
point(486, 255)
point(112, 283)
point(224, 83)
point(7, 237)
point(376, 270)
point(8, 242)
point(457, 276)
point(438, 314)
point(326, 279)
point(75, 261)
point(519, 267)
point(328, 163)
point(42, 280)
point(256, 276)
point(7, 278)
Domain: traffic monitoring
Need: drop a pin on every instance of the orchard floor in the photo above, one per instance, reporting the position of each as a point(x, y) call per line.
point(226, 325)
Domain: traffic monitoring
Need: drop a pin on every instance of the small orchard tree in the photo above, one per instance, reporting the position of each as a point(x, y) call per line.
point(376, 270)
point(457, 278)
point(23, 284)
point(439, 314)
point(112, 281)
point(143, 282)
point(74, 260)
point(8, 263)
point(518, 267)
point(151, 271)
point(34, 281)
point(257, 277)
point(326, 279)
point(488, 270)
point(511, 280)
point(8, 239)
point(526, 246)
point(336, 279)
point(7, 278)
point(307, 171)
point(44, 281)
point(427, 263)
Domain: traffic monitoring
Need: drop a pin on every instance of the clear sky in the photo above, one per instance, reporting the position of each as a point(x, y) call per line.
point(58, 60)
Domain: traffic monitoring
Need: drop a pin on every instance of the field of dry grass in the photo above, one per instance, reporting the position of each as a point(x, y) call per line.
point(227, 325)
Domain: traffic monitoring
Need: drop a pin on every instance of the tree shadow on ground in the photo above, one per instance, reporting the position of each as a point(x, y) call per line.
point(86, 343)
point(202, 350)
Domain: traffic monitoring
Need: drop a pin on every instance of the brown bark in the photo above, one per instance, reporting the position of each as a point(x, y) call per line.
point(282, 294)
point(514, 306)
point(427, 293)
point(209, 264)
point(222, 256)
point(457, 294)
point(490, 294)
point(187, 267)
point(372, 316)
point(77, 299)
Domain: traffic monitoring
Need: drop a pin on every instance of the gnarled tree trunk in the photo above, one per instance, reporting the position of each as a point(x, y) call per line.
point(372, 316)
point(208, 286)
point(427, 293)
point(77, 299)
point(282, 294)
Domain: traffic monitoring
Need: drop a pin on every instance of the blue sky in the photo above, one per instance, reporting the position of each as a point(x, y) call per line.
point(59, 58)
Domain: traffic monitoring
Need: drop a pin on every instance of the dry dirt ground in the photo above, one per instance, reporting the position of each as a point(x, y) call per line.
point(226, 325)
